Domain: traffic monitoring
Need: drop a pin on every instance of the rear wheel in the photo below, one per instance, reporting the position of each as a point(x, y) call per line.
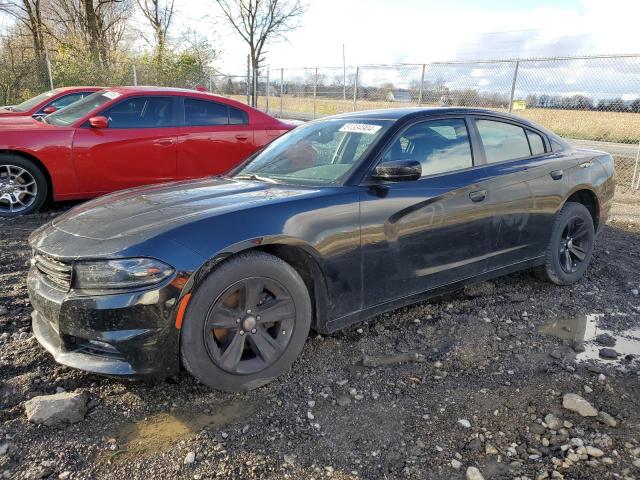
point(23, 186)
point(571, 246)
point(246, 323)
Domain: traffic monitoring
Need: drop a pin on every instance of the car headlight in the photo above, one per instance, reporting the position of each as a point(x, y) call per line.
point(125, 273)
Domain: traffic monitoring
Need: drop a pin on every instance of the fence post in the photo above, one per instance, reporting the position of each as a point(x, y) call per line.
point(46, 57)
point(421, 85)
point(267, 110)
point(355, 88)
point(135, 75)
point(315, 92)
point(281, 89)
point(513, 85)
point(635, 170)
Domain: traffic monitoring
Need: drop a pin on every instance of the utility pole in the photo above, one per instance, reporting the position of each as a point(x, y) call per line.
point(344, 75)
point(248, 78)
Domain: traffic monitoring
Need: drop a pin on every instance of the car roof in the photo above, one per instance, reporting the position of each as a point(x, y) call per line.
point(73, 89)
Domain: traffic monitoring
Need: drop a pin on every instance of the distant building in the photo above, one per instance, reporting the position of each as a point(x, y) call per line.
point(403, 96)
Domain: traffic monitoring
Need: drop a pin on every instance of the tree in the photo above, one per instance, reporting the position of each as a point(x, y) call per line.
point(159, 15)
point(29, 14)
point(259, 22)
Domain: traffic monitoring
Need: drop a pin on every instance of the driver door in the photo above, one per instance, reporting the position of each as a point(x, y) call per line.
point(422, 234)
point(139, 147)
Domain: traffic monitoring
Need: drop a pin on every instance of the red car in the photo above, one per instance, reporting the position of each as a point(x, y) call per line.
point(124, 137)
point(47, 102)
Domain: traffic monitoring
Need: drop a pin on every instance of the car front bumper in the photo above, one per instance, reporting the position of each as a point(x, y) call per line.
point(123, 334)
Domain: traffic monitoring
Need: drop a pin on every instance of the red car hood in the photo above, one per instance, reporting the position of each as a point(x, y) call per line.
point(21, 123)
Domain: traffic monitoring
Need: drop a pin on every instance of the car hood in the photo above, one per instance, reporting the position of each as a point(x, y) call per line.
point(158, 208)
point(22, 122)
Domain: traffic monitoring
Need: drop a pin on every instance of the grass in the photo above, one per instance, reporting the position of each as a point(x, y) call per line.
point(618, 127)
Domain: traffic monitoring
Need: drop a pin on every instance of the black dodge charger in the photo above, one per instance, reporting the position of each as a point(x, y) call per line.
point(338, 220)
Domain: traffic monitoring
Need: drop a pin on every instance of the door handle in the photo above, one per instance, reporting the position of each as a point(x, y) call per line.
point(242, 137)
point(478, 195)
point(556, 174)
point(164, 141)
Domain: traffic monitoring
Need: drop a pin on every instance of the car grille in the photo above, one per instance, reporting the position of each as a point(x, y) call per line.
point(54, 271)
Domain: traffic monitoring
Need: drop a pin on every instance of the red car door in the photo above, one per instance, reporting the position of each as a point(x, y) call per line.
point(138, 147)
point(213, 138)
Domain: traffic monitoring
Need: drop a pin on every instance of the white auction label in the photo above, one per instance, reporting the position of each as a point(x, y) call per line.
point(360, 128)
point(111, 95)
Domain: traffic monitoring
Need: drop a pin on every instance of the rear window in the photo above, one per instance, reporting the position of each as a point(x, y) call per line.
point(502, 141)
point(535, 142)
point(207, 113)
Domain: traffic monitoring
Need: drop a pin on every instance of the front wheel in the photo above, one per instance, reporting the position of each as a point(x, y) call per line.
point(246, 323)
point(571, 246)
point(23, 186)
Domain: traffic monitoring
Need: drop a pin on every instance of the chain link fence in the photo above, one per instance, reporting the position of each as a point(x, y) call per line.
point(594, 102)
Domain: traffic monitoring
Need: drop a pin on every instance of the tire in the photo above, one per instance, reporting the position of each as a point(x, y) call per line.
point(18, 174)
point(230, 340)
point(563, 265)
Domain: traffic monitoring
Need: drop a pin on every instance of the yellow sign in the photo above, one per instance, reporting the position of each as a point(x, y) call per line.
point(519, 105)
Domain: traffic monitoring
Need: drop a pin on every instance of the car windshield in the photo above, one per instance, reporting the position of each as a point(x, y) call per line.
point(318, 153)
point(32, 102)
point(79, 109)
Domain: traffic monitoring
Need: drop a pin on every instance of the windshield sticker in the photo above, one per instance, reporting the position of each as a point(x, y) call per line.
point(111, 95)
point(360, 128)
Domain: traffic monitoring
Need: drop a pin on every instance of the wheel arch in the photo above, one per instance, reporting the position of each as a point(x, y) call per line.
point(587, 197)
point(302, 257)
point(38, 163)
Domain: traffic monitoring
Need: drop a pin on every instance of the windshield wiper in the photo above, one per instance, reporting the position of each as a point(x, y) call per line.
point(253, 176)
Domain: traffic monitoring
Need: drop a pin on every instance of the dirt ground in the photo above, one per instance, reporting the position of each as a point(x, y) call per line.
point(483, 388)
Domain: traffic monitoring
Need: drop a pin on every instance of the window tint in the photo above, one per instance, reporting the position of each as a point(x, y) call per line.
point(66, 100)
point(535, 142)
point(203, 112)
point(439, 145)
point(237, 116)
point(502, 141)
point(141, 112)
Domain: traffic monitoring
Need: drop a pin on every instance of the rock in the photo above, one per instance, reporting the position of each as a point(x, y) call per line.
point(64, 475)
point(343, 401)
point(607, 419)
point(608, 353)
point(190, 458)
point(588, 389)
point(553, 422)
point(578, 347)
point(4, 448)
point(464, 422)
point(557, 354)
point(576, 403)
point(66, 407)
point(289, 459)
point(635, 291)
point(473, 474)
point(606, 340)
point(474, 444)
point(594, 452)
point(3, 310)
point(490, 449)
point(456, 464)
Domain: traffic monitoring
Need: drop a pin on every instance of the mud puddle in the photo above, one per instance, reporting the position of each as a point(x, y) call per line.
point(161, 431)
point(586, 330)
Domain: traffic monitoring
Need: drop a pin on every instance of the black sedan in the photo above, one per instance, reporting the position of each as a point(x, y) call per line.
point(338, 220)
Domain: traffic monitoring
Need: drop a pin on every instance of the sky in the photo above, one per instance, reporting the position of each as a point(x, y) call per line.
point(417, 31)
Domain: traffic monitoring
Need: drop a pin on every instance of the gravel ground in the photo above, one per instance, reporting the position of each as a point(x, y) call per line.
point(481, 385)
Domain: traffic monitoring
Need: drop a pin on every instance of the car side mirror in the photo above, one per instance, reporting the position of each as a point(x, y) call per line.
point(99, 122)
point(49, 110)
point(398, 170)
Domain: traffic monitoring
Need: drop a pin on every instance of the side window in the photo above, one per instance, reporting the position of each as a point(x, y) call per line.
point(141, 112)
point(237, 116)
point(205, 113)
point(66, 100)
point(535, 142)
point(439, 145)
point(502, 141)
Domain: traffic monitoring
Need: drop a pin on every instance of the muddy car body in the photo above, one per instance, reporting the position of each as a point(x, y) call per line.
point(370, 211)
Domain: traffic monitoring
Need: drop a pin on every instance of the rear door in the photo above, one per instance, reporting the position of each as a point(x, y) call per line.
point(418, 235)
point(138, 147)
point(517, 165)
point(213, 138)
